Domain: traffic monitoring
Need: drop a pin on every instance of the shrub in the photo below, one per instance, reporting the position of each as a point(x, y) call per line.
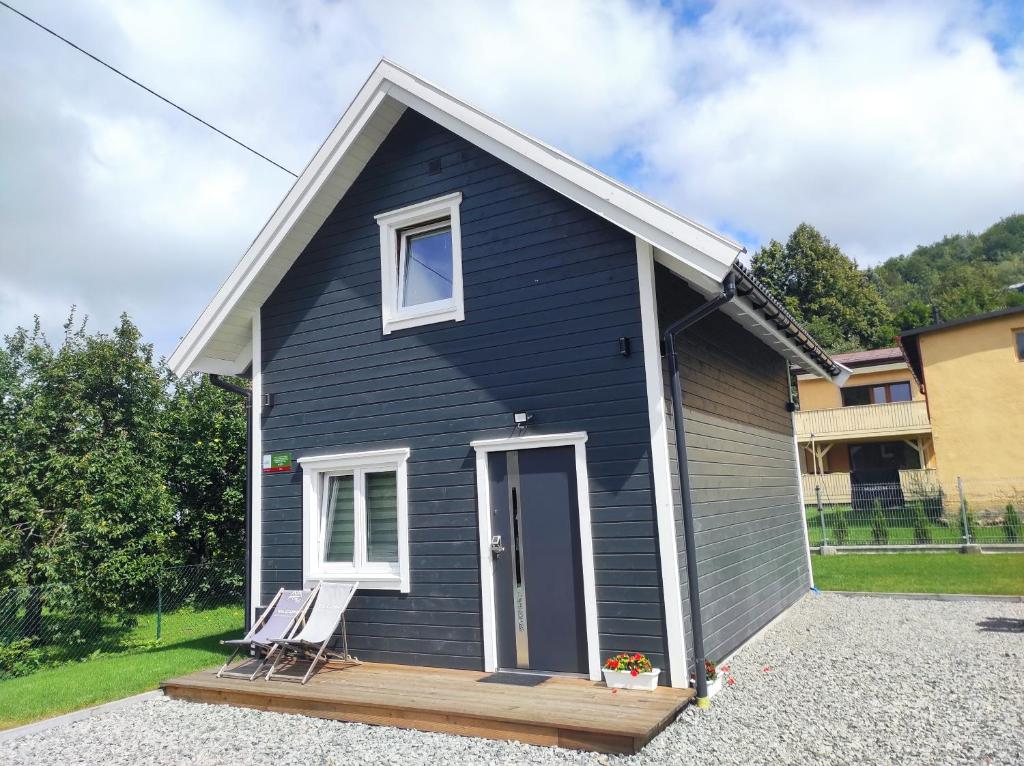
point(879, 526)
point(922, 531)
point(841, 526)
point(1012, 525)
point(19, 658)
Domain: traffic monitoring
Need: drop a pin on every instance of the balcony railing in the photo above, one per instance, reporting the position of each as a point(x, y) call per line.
point(869, 420)
point(837, 488)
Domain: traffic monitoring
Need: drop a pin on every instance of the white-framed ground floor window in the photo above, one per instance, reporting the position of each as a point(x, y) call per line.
point(355, 518)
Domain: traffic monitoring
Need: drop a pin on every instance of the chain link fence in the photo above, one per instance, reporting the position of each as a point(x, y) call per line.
point(916, 510)
point(47, 625)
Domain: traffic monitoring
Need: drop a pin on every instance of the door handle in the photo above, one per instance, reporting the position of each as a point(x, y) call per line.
point(496, 547)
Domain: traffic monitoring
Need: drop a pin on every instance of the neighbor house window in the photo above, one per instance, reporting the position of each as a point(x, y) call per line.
point(883, 393)
point(1018, 340)
point(355, 518)
point(421, 264)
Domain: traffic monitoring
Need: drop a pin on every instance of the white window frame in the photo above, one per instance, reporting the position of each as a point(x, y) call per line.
point(395, 226)
point(316, 472)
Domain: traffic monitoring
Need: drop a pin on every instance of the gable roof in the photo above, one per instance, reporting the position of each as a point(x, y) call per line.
point(220, 339)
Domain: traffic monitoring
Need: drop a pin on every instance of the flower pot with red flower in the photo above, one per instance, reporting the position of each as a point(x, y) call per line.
point(715, 677)
point(630, 671)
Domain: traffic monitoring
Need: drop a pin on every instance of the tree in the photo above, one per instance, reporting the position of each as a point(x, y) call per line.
point(203, 432)
point(960, 275)
point(89, 428)
point(825, 291)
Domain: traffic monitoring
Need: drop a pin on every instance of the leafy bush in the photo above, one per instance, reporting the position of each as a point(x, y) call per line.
point(922, 531)
point(841, 526)
point(879, 526)
point(19, 658)
point(1012, 525)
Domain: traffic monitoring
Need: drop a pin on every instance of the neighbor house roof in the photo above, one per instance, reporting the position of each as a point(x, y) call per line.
point(909, 339)
point(872, 356)
point(220, 340)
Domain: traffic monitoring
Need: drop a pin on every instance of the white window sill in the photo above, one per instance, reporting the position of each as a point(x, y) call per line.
point(367, 581)
point(405, 320)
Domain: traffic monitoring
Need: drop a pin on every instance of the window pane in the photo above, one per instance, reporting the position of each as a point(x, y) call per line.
point(382, 517)
point(899, 392)
point(856, 396)
point(427, 269)
point(1019, 335)
point(878, 394)
point(340, 530)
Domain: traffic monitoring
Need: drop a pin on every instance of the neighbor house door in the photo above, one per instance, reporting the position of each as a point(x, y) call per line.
point(540, 615)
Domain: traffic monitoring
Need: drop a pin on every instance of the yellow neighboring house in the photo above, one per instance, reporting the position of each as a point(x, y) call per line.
point(874, 430)
point(948, 402)
point(972, 372)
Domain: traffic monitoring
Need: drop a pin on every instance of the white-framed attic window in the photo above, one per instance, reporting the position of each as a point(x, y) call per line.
point(421, 264)
point(355, 518)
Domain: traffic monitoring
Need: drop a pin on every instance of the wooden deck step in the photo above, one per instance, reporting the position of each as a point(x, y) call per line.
point(557, 711)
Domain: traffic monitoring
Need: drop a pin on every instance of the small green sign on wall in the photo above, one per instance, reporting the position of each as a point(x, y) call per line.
point(277, 462)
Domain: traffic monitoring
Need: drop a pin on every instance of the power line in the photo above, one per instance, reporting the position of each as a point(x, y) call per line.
point(149, 90)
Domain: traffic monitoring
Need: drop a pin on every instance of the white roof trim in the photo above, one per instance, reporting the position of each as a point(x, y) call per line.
point(218, 336)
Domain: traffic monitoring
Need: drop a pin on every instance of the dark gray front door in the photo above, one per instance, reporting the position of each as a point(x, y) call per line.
point(538, 583)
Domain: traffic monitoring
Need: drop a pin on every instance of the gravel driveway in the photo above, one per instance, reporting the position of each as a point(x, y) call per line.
point(838, 680)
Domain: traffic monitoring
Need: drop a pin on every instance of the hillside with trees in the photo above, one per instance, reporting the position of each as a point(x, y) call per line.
point(849, 309)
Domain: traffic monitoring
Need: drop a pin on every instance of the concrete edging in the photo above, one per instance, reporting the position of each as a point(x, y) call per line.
point(934, 548)
point(929, 596)
point(77, 715)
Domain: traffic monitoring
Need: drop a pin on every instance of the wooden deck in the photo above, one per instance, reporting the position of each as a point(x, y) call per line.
point(562, 712)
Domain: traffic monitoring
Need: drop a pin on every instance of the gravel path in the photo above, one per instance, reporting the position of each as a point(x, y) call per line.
point(838, 680)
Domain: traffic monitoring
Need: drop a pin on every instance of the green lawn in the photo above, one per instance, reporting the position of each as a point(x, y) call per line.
point(988, 574)
point(189, 642)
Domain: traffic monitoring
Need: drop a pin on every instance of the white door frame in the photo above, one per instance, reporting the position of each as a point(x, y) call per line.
point(484, 447)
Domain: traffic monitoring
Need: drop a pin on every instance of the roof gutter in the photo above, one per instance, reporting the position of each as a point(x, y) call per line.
point(754, 293)
point(219, 382)
point(669, 336)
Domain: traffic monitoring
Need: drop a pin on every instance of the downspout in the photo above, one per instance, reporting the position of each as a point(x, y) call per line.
point(669, 336)
point(219, 382)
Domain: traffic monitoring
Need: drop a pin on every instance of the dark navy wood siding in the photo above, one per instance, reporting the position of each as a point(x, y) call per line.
point(751, 559)
point(549, 289)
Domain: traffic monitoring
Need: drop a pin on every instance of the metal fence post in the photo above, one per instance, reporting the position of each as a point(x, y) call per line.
point(159, 603)
point(821, 515)
point(963, 510)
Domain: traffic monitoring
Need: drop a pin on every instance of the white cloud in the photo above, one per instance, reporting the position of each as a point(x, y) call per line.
point(885, 125)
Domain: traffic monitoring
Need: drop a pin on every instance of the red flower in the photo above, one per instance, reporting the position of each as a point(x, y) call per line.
point(731, 681)
point(613, 663)
point(634, 672)
point(637, 656)
point(765, 669)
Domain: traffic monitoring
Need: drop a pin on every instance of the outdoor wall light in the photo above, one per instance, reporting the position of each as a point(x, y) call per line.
point(522, 418)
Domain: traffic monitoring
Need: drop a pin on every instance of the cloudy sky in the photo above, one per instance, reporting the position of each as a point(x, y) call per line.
point(884, 124)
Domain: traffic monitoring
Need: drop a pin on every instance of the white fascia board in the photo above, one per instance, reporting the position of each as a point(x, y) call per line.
point(698, 247)
point(703, 255)
point(281, 223)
